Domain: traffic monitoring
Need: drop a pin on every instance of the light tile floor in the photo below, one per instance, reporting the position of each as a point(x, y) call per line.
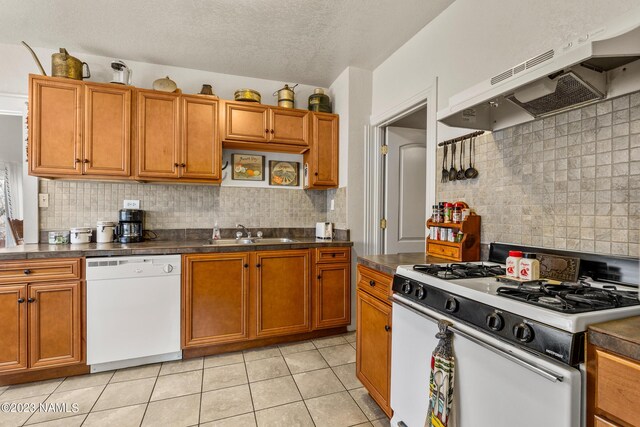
point(310, 383)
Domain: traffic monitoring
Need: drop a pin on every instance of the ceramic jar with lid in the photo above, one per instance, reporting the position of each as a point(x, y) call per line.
point(80, 235)
point(105, 231)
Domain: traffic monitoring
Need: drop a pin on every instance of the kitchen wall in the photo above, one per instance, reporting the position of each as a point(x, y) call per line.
point(83, 203)
point(338, 216)
point(569, 181)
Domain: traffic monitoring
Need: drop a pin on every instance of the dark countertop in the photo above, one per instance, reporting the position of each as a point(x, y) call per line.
point(152, 247)
point(618, 336)
point(388, 263)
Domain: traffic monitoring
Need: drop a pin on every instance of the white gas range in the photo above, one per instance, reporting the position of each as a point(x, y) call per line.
point(518, 361)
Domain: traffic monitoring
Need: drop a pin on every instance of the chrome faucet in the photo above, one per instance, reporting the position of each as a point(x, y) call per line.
point(244, 229)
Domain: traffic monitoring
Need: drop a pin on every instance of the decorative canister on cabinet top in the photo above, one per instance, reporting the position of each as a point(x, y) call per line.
point(286, 96)
point(247, 95)
point(319, 101)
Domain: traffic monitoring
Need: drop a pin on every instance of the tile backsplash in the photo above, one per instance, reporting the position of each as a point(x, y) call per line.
point(569, 181)
point(82, 204)
point(338, 216)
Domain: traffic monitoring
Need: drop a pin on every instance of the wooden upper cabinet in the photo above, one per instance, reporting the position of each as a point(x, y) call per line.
point(55, 126)
point(322, 158)
point(13, 333)
point(158, 138)
point(215, 298)
point(289, 126)
point(201, 156)
point(107, 130)
point(246, 122)
point(282, 292)
point(373, 341)
point(55, 324)
point(332, 295)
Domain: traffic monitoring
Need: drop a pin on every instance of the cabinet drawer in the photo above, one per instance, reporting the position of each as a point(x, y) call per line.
point(374, 282)
point(40, 270)
point(601, 422)
point(444, 251)
point(617, 382)
point(332, 255)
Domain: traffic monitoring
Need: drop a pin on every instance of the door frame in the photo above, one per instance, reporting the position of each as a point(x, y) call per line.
point(374, 162)
point(12, 104)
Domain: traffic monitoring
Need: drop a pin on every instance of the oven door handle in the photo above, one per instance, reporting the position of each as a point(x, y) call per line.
point(549, 375)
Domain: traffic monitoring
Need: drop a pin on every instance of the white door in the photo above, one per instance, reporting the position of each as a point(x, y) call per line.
point(405, 190)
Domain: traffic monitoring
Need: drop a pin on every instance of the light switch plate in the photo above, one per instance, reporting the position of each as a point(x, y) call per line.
point(333, 205)
point(43, 200)
point(132, 204)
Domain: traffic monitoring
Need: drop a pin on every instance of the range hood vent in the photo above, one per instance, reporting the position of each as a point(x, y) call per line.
point(604, 63)
point(570, 91)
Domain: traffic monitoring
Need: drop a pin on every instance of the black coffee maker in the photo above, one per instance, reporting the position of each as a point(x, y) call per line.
point(129, 228)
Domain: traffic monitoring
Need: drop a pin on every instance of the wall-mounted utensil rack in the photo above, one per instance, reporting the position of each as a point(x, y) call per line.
point(460, 138)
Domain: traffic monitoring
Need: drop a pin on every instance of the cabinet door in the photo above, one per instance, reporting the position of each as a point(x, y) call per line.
point(323, 156)
point(246, 122)
point(107, 130)
point(215, 292)
point(13, 332)
point(158, 135)
point(201, 149)
point(289, 126)
point(332, 296)
point(282, 303)
point(55, 324)
point(55, 127)
point(373, 348)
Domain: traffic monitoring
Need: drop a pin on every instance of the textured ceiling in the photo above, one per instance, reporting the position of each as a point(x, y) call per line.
point(302, 41)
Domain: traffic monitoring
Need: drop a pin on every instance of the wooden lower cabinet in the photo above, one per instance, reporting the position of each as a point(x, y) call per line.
point(13, 333)
point(373, 342)
point(332, 295)
point(230, 298)
point(281, 293)
point(42, 325)
point(613, 389)
point(215, 292)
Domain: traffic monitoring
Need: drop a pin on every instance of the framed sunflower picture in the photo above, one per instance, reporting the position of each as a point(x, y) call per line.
point(284, 174)
point(247, 167)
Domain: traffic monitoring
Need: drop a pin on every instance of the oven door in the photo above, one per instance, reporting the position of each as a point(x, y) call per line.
point(496, 384)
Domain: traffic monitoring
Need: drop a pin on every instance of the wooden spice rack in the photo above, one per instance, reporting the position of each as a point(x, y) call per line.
point(468, 249)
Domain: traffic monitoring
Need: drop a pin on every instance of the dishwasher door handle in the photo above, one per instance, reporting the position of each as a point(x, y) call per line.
point(543, 372)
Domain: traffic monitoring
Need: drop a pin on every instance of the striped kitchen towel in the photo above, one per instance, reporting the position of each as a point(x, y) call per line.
point(441, 379)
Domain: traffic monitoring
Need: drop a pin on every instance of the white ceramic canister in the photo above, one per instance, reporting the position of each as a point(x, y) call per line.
point(80, 235)
point(105, 231)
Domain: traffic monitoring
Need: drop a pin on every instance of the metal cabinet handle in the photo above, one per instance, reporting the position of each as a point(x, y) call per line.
point(316, 174)
point(387, 328)
point(372, 283)
point(319, 277)
point(27, 271)
point(246, 266)
point(20, 300)
point(272, 132)
point(266, 130)
point(176, 165)
point(78, 160)
point(183, 165)
point(31, 300)
point(258, 265)
point(85, 161)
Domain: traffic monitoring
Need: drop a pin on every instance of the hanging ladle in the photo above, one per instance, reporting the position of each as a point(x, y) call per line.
point(471, 172)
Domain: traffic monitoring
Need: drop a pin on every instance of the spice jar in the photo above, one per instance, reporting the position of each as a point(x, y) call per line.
point(436, 215)
point(529, 267)
point(456, 216)
point(448, 208)
point(513, 263)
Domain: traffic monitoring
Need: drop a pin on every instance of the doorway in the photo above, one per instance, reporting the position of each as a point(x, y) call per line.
point(404, 188)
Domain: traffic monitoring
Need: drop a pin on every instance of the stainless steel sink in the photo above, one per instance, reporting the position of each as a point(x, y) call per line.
point(249, 241)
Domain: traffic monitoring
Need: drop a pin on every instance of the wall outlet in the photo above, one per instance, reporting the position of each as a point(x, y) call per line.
point(131, 204)
point(43, 200)
point(332, 205)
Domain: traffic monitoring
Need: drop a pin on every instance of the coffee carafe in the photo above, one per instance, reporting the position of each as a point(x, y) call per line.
point(129, 229)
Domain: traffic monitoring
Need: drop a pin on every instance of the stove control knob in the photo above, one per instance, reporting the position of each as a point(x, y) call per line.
point(495, 322)
point(406, 287)
point(421, 293)
point(523, 332)
point(451, 305)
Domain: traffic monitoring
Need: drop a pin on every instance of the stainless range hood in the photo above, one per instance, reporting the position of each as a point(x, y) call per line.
point(602, 64)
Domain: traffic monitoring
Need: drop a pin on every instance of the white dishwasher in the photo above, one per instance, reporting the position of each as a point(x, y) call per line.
point(133, 311)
